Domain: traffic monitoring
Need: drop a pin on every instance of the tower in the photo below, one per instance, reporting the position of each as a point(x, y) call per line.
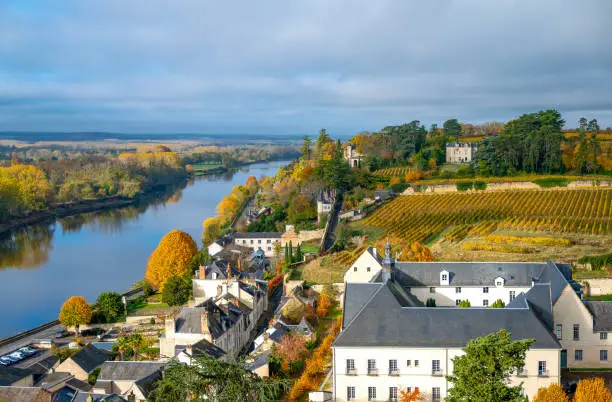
point(388, 263)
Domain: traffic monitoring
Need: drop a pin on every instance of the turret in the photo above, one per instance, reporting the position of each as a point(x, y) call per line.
point(388, 263)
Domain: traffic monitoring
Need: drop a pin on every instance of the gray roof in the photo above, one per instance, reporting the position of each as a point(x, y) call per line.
point(43, 366)
point(385, 322)
point(23, 394)
point(10, 375)
point(219, 319)
point(204, 347)
point(356, 296)
point(147, 384)
point(127, 371)
point(602, 315)
point(257, 235)
point(540, 301)
point(89, 357)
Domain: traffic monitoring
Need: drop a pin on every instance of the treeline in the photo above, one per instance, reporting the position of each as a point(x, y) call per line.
point(230, 156)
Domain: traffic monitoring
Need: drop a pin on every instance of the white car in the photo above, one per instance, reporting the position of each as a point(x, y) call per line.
point(17, 355)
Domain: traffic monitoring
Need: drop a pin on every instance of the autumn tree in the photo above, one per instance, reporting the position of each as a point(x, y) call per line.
point(172, 257)
point(408, 395)
point(251, 185)
point(75, 312)
point(300, 209)
point(31, 186)
point(212, 230)
point(592, 390)
point(483, 373)
point(324, 302)
point(291, 349)
point(552, 393)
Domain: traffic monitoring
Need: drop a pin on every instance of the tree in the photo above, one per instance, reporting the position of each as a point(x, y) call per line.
point(324, 302)
point(177, 291)
point(75, 312)
point(201, 259)
point(306, 147)
point(300, 209)
point(430, 302)
point(482, 373)
point(212, 230)
point(291, 348)
point(498, 304)
point(131, 346)
point(554, 393)
point(452, 128)
point(252, 186)
point(465, 304)
point(592, 390)
point(214, 380)
point(110, 306)
point(171, 258)
point(407, 395)
point(299, 256)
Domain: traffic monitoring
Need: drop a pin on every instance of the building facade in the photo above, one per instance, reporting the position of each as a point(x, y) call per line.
point(353, 157)
point(258, 241)
point(460, 152)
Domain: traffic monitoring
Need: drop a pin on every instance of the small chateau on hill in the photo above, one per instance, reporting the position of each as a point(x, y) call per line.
point(460, 152)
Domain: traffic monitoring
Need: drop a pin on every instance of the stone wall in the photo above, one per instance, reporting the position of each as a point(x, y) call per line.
point(597, 287)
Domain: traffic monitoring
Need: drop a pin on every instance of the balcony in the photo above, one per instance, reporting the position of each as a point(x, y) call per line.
point(437, 372)
point(372, 371)
point(351, 371)
point(543, 373)
point(394, 372)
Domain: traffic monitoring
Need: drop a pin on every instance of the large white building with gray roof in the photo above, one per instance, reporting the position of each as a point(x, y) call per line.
point(390, 341)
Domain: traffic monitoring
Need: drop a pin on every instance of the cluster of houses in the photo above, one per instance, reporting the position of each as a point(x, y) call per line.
point(390, 341)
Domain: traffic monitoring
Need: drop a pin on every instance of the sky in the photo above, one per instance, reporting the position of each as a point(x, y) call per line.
point(292, 67)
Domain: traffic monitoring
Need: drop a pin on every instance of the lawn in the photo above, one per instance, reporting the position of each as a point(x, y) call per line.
point(309, 247)
point(324, 270)
point(204, 167)
point(149, 306)
point(600, 298)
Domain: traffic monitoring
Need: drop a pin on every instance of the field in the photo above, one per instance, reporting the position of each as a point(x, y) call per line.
point(399, 171)
point(204, 167)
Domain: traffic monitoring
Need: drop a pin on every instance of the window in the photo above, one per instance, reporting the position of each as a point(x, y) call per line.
point(512, 295)
point(559, 331)
point(269, 248)
point(499, 283)
point(244, 242)
point(355, 269)
point(392, 366)
point(213, 275)
point(350, 366)
point(393, 394)
point(578, 354)
point(350, 393)
point(435, 394)
point(416, 363)
point(444, 277)
point(603, 355)
point(269, 241)
point(457, 290)
point(485, 303)
point(371, 366)
point(485, 289)
point(542, 368)
point(251, 241)
point(435, 367)
point(408, 363)
point(371, 393)
point(368, 269)
point(603, 336)
point(259, 241)
point(576, 332)
point(432, 290)
point(457, 302)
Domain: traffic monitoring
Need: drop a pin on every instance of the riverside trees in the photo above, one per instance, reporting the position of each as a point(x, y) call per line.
point(172, 257)
point(75, 312)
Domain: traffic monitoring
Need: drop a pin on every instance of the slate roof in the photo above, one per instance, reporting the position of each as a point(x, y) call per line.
point(189, 319)
point(127, 371)
point(383, 321)
point(356, 296)
point(23, 394)
point(10, 375)
point(89, 357)
point(147, 384)
point(602, 315)
point(204, 347)
point(257, 235)
point(43, 366)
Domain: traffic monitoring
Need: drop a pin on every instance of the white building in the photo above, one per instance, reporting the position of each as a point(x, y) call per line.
point(460, 152)
point(353, 157)
point(258, 241)
point(389, 341)
point(215, 248)
point(325, 202)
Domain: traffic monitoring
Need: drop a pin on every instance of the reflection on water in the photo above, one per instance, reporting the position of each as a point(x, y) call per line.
point(87, 254)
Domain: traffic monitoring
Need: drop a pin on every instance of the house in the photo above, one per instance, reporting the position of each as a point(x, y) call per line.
point(226, 314)
point(325, 202)
point(44, 366)
point(460, 152)
point(381, 195)
point(353, 157)
point(83, 362)
point(132, 380)
point(187, 353)
point(387, 331)
point(215, 248)
point(16, 376)
point(258, 241)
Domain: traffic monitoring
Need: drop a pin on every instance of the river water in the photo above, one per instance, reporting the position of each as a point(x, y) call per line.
point(42, 265)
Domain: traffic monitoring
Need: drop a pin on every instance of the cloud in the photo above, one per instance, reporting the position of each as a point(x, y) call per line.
point(272, 66)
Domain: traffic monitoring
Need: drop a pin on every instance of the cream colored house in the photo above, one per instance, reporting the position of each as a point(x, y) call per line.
point(83, 362)
point(131, 380)
point(460, 152)
point(390, 342)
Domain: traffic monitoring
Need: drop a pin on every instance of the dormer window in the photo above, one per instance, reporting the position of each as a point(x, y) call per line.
point(214, 275)
point(499, 282)
point(444, 278)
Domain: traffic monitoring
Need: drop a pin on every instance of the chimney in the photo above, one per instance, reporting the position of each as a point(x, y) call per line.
point(236, 302)
point(204, 324)
point(202, 272)
point(189, 350)
point(219, 290)
point(169, 323)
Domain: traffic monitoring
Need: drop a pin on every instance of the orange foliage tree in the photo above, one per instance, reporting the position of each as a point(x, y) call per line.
point(553, 393)
point(251, 185)
point(291, 348)
point(75, 312)
point(323, 304)
point(171, 258)
point(592, 390)
point(408, 395)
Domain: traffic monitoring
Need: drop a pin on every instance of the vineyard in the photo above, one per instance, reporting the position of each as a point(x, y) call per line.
point(418, 217)
point(399, 171)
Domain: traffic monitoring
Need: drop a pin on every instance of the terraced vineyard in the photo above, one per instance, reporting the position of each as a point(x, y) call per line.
point(419, 217)
point(399, 171)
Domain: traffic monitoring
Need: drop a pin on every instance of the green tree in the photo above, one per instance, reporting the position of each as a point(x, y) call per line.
point(209, 379)
point(110, 306)
point(465, 304)
point(482, 374)
point(290, 259)
point(322, 140)
point(498, 304)
point(177, 291)
point(306, 148)
point(299, 256)
point(431, 302)
point(452, 128)
point(201, 258)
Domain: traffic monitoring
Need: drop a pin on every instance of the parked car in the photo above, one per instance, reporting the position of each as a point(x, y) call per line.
point(61, 334)
point(92, 332)
point(17, 355)
point(11, 359)
point(28, 351)
point(5, 360)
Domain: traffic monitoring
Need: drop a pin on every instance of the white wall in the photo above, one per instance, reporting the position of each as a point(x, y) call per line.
point(421, 376)
point(570, 310)
point(358, 272)
point(264, 243)
point(446, 295)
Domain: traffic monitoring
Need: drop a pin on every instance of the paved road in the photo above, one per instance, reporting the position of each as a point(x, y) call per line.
point(44, 334)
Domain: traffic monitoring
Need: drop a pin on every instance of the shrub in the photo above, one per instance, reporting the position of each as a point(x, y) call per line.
point(464, 185)
point(553, 393)
point(480, 185)
point(465, 304)
point(93, 376)
point(176, 291)
point(430, 302)
point(549, 182)
point(498, 304)
point(592, 390)
point(597, 261)
point(399, 187)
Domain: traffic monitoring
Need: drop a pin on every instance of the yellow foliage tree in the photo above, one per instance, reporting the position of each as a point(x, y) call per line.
point(554, 393)
point(75, 312)
point(171, 258)
point(251, 185)
point(395, 180)
point(31, 184)
point(211, 230)
point(592, 390)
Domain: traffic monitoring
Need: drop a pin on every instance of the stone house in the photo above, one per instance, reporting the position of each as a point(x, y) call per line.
point(83, 362)
point(131, 380)
point(353, 157)
point(460, 152)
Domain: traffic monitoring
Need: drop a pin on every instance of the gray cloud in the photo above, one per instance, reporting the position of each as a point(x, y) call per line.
point(243, 66)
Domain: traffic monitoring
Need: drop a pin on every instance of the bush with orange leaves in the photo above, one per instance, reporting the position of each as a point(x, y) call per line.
point(414, 251)
point(553, 393)
point(75, 312)
point(413, 176)
point(274, 283)
point(314, 373)
point(408, 395)
point(291, 348)
point(172, 257)
point(592, 390)
point(323, 304)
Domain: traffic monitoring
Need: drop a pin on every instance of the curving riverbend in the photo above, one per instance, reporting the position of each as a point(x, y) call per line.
point(44, 264)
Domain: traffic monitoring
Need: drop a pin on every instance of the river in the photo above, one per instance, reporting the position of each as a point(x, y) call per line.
point(44, 264)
